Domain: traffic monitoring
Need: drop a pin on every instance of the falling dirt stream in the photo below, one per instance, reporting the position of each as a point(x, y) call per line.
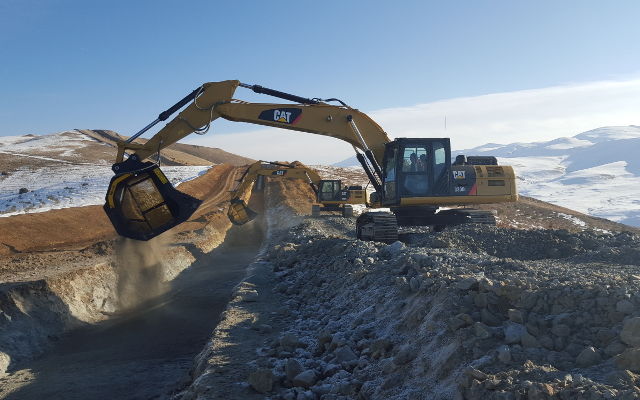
point(145, 353)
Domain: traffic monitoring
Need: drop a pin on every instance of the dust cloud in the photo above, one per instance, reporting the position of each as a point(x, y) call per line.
point(140, 269)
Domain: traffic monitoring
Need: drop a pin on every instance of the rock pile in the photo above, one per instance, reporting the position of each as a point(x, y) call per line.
point(469, 313)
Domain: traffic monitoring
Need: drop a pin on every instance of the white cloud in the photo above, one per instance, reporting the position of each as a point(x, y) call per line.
point(526, 115)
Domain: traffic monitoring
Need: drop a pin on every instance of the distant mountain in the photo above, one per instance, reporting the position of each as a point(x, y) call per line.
point(349, 162)
point(177, 153)
point(595, 172)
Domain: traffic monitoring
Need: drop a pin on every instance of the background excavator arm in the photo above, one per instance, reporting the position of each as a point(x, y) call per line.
point(239, 213)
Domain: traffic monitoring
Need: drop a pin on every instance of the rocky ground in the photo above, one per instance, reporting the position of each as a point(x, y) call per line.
point(543, 306)
point(468, 313)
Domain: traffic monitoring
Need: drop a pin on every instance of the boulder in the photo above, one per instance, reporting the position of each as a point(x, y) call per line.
point(625, 307)
point(292, 368)
point(629, 359)
point(631, 332)
point(289, 342)
point(513, 332)
point(588, 357)
point(529, 340)
point(405, 355)
point(504, 354)
point(344, 354)
point(481, 330)
point(305, 379)
point(468, 283)
point(261, 380)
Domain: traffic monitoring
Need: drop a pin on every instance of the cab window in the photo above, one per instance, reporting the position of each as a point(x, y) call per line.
point(328, 190)
point(415, 181)
point(414, 159)
point(439, 159)
point(390, 167)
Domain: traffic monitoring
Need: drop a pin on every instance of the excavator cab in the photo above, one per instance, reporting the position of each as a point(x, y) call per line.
point(329, 190)
point(416, 167)
point(141, 202)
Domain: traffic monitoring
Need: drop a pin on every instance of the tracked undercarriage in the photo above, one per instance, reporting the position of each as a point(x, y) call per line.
point(380, 226)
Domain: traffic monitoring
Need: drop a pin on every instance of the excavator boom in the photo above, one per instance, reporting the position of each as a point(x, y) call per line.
point(215, 100)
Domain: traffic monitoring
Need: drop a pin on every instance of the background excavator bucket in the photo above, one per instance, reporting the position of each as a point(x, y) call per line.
point(142, 204)
point(239, 213)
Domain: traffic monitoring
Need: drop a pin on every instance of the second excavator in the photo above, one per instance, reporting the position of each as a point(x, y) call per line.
point(415, 179)
point(330, 194)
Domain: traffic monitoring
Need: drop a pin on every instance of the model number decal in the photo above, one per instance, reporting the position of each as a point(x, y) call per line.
point(458, 175)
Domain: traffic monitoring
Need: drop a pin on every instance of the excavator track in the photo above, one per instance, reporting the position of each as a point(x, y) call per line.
point(377, 227)
point(480, 217)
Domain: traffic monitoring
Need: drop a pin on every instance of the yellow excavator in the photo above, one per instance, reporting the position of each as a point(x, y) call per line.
point(415, 179)
point(330, 194)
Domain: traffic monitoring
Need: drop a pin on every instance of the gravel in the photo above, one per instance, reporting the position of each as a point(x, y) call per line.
point(468, 313)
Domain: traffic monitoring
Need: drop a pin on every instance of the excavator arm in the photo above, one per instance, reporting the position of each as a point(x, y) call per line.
point(141, 203)
point(215, 100)
point(239, 213)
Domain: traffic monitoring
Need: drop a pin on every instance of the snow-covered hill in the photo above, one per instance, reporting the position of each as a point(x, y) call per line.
point(66, 169)
point(596, 172)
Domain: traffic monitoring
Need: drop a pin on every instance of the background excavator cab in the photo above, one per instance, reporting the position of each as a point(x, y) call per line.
point(142, 203)
point(329, 190)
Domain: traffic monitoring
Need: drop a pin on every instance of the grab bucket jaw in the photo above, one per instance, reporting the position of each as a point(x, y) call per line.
point(141, 202)
point(239, 213)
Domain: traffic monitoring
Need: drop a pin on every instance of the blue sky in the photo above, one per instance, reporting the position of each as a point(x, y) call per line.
point(115, 65)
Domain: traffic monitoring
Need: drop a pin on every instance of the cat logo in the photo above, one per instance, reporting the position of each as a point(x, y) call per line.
point(280, 172)
point(281, 116)
point(458, 175)
point(287, 116)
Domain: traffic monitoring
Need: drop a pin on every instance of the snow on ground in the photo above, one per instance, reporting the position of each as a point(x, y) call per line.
point(67, 180)
point(573, 219)
point(67, 186)
point(62, 144)
point(595, 172)
point(608, 191)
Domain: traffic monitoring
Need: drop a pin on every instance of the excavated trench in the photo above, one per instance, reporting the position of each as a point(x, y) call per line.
point(147, 351)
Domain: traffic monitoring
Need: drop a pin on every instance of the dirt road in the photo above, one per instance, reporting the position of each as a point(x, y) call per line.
point(145, 353)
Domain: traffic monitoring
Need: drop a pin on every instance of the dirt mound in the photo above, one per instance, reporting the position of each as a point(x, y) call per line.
point(37, 245)
point(67, 268)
